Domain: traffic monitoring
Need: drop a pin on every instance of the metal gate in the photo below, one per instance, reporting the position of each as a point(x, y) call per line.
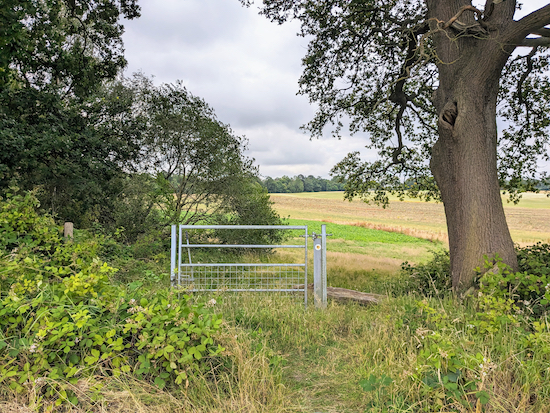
point(260, 277)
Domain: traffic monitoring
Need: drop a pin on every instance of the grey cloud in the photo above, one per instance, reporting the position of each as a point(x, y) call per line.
point(246, 68)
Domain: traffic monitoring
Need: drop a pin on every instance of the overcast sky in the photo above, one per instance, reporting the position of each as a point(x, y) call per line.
point(247, 69)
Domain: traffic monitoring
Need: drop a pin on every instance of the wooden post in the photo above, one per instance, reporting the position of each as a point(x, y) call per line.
point(68, 230)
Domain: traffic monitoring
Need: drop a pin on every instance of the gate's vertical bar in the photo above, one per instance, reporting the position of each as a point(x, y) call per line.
point(324, 266)
point(173, 257)
point(305, 275)
point(179, 254)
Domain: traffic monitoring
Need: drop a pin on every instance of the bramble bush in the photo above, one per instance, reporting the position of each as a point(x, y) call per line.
point(451, 371)
point(432, 278)
point(62, 320)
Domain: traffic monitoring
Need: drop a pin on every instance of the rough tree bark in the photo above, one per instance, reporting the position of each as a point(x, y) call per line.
point(464, 159)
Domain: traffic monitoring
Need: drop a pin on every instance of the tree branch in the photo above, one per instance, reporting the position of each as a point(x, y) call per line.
point(528, 24)
point(522, 80)
point(543, 31)
point(535, 42)
point(460, 12)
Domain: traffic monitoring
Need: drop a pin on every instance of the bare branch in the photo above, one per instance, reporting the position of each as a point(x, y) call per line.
point(535, 42)
point(526, 25)
point(460, 12)
point(543, 31)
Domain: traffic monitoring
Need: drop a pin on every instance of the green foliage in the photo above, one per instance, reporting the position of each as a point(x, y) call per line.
point(535, 259)
point(432, 278)
point(378, 386)
point(301, 183)
point(62, 320)
point(448, 370)
point(507, 303)
point(63, 46)
point(250, 206)
point(58, 131)
point(529, 288)
point(135, 212)
point(77, 161)
point(196, 168)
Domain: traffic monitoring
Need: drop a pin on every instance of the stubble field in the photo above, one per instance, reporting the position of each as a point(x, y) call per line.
point(529, 221)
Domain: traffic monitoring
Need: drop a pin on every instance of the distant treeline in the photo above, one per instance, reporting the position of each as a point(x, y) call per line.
point(301, 183)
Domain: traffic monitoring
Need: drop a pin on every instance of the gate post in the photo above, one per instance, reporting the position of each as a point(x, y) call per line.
point(320, 269)
point(173, 256)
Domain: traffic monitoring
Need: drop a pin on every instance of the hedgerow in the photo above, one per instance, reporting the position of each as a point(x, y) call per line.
point(62, 320)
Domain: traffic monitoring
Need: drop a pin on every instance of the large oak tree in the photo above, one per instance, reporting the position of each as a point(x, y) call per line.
point(426, 80)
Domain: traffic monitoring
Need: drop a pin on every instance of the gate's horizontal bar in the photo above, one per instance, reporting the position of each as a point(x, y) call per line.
point(294, 290)
point(243, 227)
point(238, 246)
point(241, 265)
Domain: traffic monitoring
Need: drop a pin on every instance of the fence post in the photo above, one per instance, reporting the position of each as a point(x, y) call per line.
point(68, 230)
point(173, 256)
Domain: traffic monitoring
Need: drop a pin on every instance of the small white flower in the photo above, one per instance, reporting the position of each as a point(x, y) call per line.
point(211, 303)
point(132, 301)
point(33, 348)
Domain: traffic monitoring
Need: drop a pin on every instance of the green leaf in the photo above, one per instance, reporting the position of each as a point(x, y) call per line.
point(483, 397)
point(160, 382)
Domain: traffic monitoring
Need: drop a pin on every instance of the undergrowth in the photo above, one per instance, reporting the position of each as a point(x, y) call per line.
point(78, 335)
point(62, 320)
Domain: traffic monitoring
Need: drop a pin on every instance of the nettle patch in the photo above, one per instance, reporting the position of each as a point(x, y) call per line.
point(62, 321)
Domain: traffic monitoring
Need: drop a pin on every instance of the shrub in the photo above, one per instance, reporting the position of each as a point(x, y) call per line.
point(534, 259)
point(432, 278)
point(529, 288)
point(61, 320)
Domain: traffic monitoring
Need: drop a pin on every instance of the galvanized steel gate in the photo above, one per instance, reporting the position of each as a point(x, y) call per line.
point(260, 277)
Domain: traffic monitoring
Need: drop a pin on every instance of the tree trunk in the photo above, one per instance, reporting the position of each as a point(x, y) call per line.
point(464, 159)
point(465, 167)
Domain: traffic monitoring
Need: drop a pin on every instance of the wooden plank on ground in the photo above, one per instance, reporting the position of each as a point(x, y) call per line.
point(343, 294)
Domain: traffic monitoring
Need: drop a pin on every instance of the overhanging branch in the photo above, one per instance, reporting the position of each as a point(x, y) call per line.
point(529, 24)
point(543, 31)
point(535, 42)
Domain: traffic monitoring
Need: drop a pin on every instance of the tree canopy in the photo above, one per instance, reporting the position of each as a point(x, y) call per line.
point(301, 183)
point(425, 81)
point(58, 130)
point(197, 161)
